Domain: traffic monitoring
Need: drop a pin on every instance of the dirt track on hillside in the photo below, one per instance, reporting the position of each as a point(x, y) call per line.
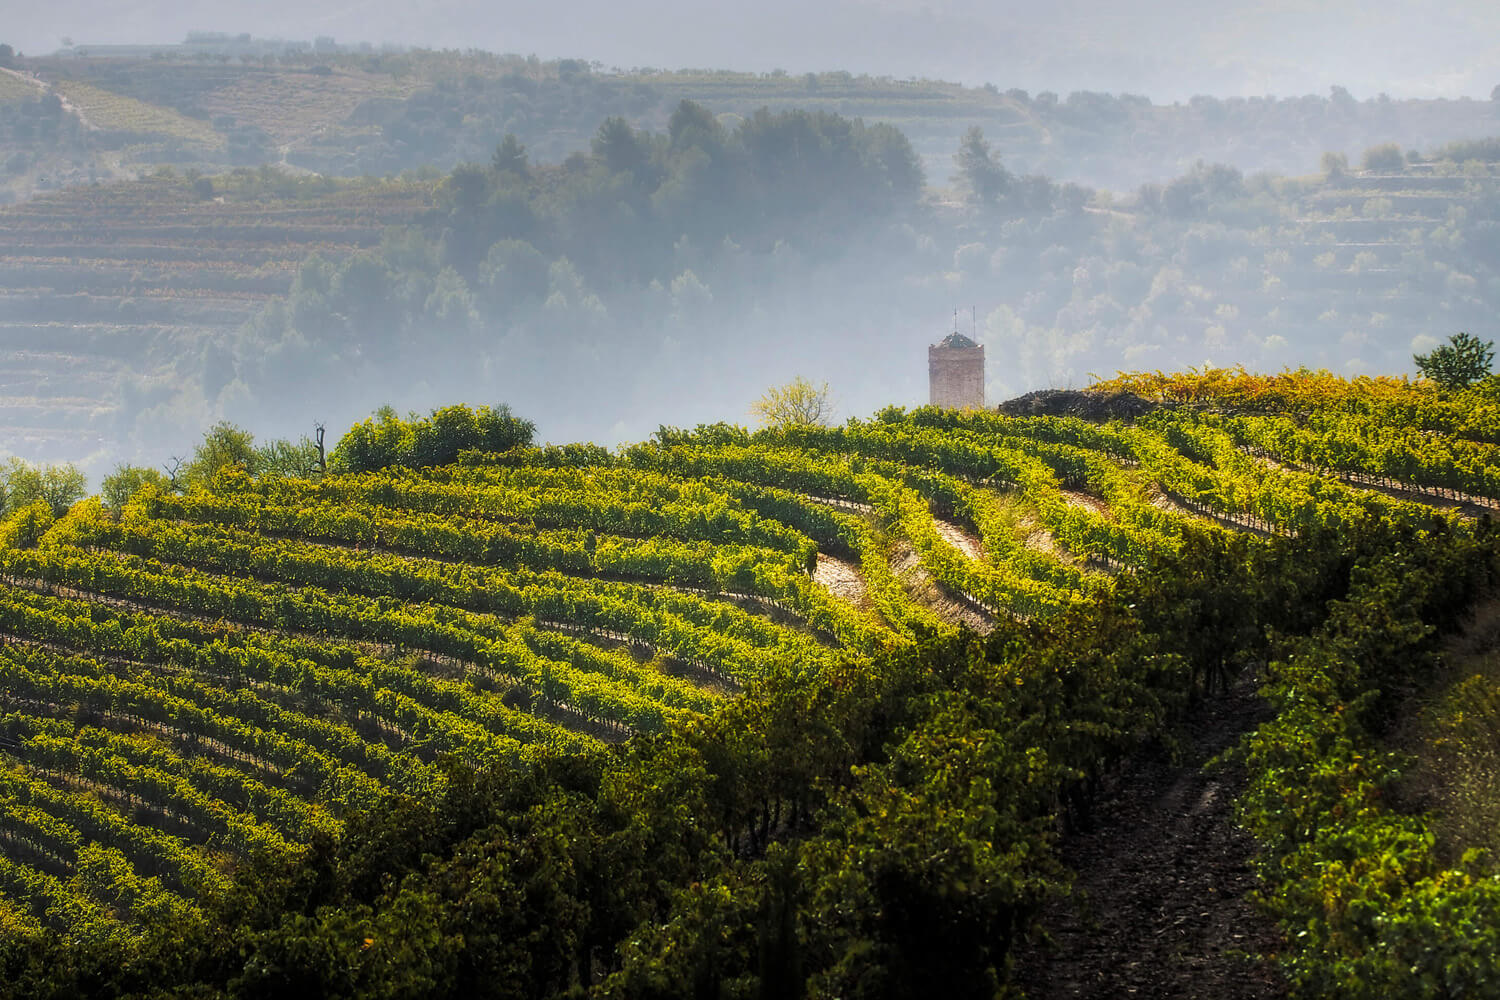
point(1161, 906)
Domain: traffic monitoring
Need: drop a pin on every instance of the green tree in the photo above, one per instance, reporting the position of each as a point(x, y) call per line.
point(620, 149)
point(290, 459)
point(888, 147)
point(23, 527)
point(983, 180)
point(466, 188)
point(7, 56)
point(510, 158)
point(312, 311)
point(386, 439)
point(224, 446)
point(125, 482)
point(56, 486)
point(798, 403)
point(693, 125)
point(380, 441)
point(361, 291)
point(514, 273)
point(449, 307)
point(1461, 362)
point(1385, 158)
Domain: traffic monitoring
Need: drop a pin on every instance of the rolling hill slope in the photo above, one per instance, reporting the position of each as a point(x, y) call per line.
point(213, 675)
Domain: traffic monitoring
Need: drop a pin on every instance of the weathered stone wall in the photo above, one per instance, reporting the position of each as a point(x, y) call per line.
point(955, 376)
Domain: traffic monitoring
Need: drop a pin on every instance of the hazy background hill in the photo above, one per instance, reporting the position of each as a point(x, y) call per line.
point(220, 100)
point(671, 276)
point(1168, 50)
point(280, 233)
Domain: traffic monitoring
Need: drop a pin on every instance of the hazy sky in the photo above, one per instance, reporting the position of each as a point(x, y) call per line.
point(1167, 50)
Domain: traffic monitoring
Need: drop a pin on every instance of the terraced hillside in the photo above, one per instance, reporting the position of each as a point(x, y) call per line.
point(221, 674)
point(110, 295)
point(378, 113)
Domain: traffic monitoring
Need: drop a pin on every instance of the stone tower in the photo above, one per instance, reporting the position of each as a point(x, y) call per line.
point(955, 372)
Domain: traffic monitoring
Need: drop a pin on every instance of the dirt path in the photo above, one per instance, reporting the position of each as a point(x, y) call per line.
point(1468, 504)
point(962, 540)
point(907, 565)
point(853, 506)
point(1035, 536)
point(28, 79)
point(1161, 905)
point(1086, 501)
point(842, 580)
point(1241, 522)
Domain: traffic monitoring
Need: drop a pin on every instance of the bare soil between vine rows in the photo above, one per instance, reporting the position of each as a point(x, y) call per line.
point(1161, 906)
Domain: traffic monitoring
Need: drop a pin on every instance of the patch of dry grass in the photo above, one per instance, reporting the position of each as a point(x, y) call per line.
point(290, 105)
point(114, 112)
point(15, 87)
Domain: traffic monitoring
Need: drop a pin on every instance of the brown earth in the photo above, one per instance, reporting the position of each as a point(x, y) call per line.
point(906, 563)
point(1161, 906)
point(842, 579)
point(961, 539)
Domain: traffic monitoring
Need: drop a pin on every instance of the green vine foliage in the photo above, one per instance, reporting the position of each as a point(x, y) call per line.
point(566, 722)
point(1369, 909)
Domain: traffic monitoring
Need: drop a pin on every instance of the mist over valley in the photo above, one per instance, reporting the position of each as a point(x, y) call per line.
point(288, 236)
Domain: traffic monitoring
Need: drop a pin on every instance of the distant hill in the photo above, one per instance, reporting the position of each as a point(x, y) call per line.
point(137, 312)
point(350, 113)
point(1169, 49)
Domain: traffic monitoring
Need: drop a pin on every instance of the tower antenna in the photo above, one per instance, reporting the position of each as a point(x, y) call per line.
point(955, 321)
point(974, 323)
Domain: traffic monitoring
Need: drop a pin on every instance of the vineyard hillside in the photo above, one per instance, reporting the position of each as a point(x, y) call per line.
point(200, 680)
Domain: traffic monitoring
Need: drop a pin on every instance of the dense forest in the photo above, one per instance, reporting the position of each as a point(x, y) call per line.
point(804, 711)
